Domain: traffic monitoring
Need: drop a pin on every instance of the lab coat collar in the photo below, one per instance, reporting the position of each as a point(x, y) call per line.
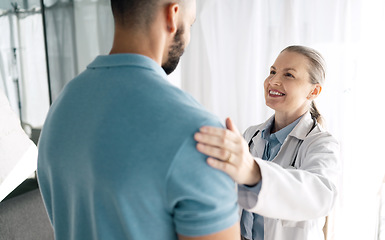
point(303, 127)
point(266, 130)
point(266, 124)
point(257, 140)
point(300, 130)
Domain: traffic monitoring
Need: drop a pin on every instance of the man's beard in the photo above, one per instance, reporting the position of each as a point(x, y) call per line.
point(175, 52)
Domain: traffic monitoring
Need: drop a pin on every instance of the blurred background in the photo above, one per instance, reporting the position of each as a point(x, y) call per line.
point(44, 44)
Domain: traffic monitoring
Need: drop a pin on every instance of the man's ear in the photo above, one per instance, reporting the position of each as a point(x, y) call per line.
point(316, 91)
point(172, 15)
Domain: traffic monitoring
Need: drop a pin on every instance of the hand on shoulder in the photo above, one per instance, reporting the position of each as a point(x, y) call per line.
point(228, 152)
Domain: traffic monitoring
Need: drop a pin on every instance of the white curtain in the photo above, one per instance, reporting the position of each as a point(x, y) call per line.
point(34, 85)
point(219, 67)
point(94, 28)
point(77, 31)
point(61, 47)
point(23, 71)
point(235, 42)
point(8, 63)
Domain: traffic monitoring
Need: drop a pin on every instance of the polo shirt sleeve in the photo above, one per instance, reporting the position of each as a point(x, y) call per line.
point(201, 199)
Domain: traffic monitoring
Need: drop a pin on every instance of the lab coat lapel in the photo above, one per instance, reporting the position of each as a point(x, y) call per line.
point(286, 154)
point(258, 141)
point(303, 127)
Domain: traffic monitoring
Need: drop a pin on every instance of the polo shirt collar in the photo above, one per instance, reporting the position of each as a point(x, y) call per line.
point(126, 59)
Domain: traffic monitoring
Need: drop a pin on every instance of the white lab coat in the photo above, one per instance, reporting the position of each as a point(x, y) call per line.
point(295, 200)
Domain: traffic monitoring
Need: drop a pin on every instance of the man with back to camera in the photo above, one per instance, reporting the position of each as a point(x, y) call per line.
point(117, 159)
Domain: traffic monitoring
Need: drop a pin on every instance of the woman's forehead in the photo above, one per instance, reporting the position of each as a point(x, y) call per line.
point(291, 61)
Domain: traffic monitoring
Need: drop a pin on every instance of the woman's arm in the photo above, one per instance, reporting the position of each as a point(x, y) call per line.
point(305, 193)
point(291, 194)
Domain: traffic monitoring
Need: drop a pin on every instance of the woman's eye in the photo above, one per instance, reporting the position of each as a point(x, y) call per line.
point(289, 75)
point(272, 72)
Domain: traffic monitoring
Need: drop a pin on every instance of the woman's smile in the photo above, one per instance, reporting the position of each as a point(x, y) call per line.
point(275, 93)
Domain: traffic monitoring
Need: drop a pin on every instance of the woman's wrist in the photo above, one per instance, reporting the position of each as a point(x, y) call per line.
point(255, 174)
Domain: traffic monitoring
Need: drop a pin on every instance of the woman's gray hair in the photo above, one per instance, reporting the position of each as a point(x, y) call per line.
point(316, 70)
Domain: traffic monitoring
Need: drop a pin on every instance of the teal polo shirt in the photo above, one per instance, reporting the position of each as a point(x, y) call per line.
point(117, 158)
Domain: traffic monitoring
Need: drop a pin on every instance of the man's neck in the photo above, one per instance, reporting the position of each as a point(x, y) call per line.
point(148, 43)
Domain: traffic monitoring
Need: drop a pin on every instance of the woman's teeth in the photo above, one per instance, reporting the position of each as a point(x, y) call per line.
point(275, 93)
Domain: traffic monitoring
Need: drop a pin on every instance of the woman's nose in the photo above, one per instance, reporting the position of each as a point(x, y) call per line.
point(275, 80)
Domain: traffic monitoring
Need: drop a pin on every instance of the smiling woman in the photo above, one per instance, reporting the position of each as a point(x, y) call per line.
point(290, 85)
point(286, 75)
point(290, 160)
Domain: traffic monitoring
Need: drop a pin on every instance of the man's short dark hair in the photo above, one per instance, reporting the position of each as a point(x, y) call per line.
point(134, 13)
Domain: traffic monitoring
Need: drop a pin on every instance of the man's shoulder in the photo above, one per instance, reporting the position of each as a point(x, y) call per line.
point(192, 186)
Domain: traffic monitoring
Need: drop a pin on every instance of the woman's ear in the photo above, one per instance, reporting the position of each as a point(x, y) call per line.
point(172, 14)
point(316, 91)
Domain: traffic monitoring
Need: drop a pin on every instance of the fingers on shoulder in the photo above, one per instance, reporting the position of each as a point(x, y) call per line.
point(221, 165)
